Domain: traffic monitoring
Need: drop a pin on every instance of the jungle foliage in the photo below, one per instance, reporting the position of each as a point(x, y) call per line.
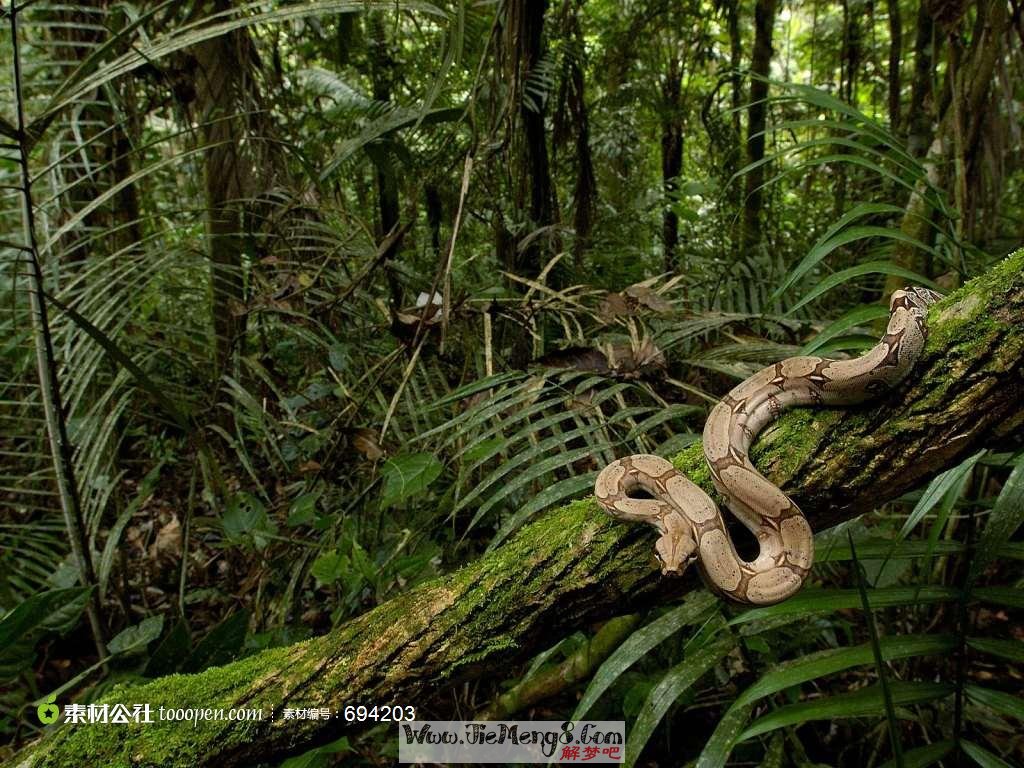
point(305, 303)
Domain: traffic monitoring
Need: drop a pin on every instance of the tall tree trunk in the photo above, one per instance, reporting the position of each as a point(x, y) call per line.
point(849, 66)
point(585, 187)
point(576, 565)
point(223, 79)
point(522, 249)
point(760, 68)
point(725, 134)
point(851, 54)
point(895, 56)
point(382, 65)
point(671, 159)
point(435, 213)
point(921, 115)
point(533, 189)
point(732, 18)
point(959, 130)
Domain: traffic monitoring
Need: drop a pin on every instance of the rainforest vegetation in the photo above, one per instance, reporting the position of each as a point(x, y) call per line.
point(318, 320)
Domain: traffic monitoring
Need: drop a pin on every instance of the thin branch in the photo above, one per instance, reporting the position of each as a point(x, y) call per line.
point(49, 384)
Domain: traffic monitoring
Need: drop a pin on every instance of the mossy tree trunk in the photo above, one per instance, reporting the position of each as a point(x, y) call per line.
point(575, 565)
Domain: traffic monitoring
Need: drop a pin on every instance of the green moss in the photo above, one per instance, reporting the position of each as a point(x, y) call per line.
point(690, 461)
point(172, 743)
point(971, 313)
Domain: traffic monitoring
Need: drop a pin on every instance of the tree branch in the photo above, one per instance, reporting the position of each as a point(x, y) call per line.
point(555, 678)
point(575, 565)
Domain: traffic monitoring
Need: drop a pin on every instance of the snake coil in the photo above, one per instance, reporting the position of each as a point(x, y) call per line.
point(690, 523)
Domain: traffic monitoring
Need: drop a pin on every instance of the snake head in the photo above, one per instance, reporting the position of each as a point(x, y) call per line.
point(914, 298)
point(675, 550)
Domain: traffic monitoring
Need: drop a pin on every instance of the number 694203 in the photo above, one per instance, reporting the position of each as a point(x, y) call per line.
point(359, 713)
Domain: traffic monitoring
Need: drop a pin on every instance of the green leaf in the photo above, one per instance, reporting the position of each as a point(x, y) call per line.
point(329, 567)
point(1012, 650)
point(362, 563)
point(867, 268)
point(674, 684)
point(303, 510)
point(775, 754)
point(481, 449)
point(407, 475)
point(858, 343)
point(180, 415)
point(852, 319)
point(716, 752)
point(876, 648)
point(1008, 597)
point(982, 756)
point(1003, 703)
point(938, 488)
point(814, 666)
point(881, 549)
point(478, 385)
point(640, 643)
point(110, 548)
point(320, 756)
point(56, 610)
point(818, 250)
point(811, 601)
point(171, 651)
point(539, 457)
point(220, 645)
point(1007, 516)
point(922, 757)
point(208, 26)
point(535, 471)
point(246, 520)
point(675, 411)
point(135, 639)
point(866, 702)
point(338, 356)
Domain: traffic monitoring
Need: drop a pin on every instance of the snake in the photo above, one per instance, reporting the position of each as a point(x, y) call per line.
point(647, 489)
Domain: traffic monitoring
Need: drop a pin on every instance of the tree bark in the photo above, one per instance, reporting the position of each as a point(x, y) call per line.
point(671, 159)
point(895, 56)
point(533, 191)
point(585, 189)
point(921, 116)
point(223, 65)
point(959, 127)
point(760, 68)
point(382, 74)
point(576, 565)
point(522, 249)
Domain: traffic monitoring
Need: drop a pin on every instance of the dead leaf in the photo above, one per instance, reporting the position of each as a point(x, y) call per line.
point(632, 362)
point(167, 546)
point(644, 296)
point(577, 358)
point(365, 441)
point(613, 306)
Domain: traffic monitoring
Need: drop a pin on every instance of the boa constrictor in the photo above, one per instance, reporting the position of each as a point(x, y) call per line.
point(690, 523)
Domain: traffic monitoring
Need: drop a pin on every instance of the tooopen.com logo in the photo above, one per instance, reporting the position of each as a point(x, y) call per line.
point(48, 711)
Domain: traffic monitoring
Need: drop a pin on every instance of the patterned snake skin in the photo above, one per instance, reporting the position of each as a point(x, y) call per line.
point(690, 523)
